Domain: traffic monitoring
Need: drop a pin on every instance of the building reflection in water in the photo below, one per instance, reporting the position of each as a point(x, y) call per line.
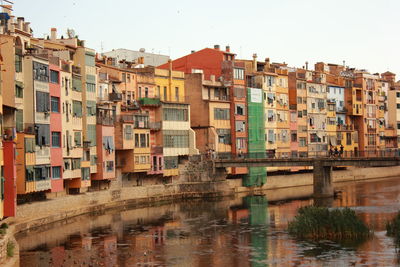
point(237, 232)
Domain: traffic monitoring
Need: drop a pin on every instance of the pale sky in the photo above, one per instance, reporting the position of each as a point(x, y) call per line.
point(364, 33)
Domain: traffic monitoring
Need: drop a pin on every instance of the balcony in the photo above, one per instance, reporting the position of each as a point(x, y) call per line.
point(126, 118)
point(221, 98)
point(115, 97)
point(147, 101)
point(343, 127)
point(341, 110)
point(76, 70)
point(131, 105)
point(155, 126)
point(106, 121)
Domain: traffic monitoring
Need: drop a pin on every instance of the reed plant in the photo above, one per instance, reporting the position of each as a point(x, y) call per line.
point(323, 223)
point(393, 229)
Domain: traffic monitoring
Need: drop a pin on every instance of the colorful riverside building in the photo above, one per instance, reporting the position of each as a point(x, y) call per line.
point(222, 65)
point(298, 102)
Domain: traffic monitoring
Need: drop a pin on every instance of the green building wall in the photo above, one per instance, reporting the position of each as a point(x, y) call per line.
point(257, 176)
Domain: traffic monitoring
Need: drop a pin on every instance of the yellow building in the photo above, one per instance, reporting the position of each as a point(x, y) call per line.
point(177, 137)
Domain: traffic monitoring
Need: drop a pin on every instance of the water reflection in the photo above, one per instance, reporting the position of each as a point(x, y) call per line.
point(227, 232)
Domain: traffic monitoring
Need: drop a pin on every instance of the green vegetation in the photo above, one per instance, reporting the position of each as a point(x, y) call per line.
point(4, 226)
point(10, 249)
point(323, 223)
point(393, 229)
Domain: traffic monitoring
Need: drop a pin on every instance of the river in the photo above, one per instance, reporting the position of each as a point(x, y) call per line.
point(237, 231)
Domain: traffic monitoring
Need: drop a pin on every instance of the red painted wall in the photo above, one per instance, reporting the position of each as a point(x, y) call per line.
point(102, 155)
point(10, 176)
point(56, 159)
point(209, 60)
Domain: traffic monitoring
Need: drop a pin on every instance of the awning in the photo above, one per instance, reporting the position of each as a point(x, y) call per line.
point(19, 84)
point(333, 140)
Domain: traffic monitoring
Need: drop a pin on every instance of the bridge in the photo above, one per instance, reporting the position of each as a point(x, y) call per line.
point(322, 164)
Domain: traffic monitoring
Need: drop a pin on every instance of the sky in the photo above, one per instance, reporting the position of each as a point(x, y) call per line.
point(363, 33)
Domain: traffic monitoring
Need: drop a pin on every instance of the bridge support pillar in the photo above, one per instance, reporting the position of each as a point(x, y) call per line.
point(322, 180)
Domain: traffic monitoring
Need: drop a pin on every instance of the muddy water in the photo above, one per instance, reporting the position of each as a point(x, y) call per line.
point(241, 231)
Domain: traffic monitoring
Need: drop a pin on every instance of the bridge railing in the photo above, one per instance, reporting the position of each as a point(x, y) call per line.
point(303, 155)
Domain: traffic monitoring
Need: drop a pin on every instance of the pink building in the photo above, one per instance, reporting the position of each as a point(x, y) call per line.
point(105, 139)
point(56, 157)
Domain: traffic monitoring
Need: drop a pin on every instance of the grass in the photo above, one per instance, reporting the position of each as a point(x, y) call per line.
point(393, 229)
point(323, 223)
point(10, 249)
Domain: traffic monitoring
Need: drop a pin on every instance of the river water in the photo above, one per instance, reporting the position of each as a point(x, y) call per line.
point(237, 231)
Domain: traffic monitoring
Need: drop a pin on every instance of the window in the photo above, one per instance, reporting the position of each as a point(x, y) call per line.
point(91, 108)
point(19, 90)
point(42, 101)
point(176, 138)
point(142, 140)
point(270, 81)
point(76, 85)
point(78, 139)
point(224, 136)
point(158, 91)
point(239, 92)
point(221, 113)
point(314, 138)
point(29, 145)
point(19, 120)
point(108, 144)
point(76, 164)
point(300, 114)
point(91, 87)
point(238, 74)
point(271, 136)
point(55, 104)
point(397, 94)
point(54, 76)
point(271, 116)
point(398, 126)
point(299, 99)
point(40, 72)
point(165, 93)
point(110, 166)
point(56, 172)
point(29, 174)
point(240, 109)
point(241, 143)
point(18, 62)
point(398, 106)
point(146, 92)
point(293, 136)
point(140, 92)
point(77, 108)
point(174, 114)
point(89, 59)
point(42, 173)
point(91, 134)
point(128, 132)
point(141, 121)
point(177, 94)
point(85, 174)
point(348, 139)
point(128, 78)
point(302, 142)
point(55, 139)
point(42, 134)
point(240, 126)
point(123, 77)
point(170, 163)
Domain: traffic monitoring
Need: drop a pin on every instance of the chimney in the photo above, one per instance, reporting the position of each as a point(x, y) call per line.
point(254, 62)
point(53, 35)
point(306, 65)
point(228, 48)
point(28, 27)
point(216, 47)
point(20, 23)
point(267, 64)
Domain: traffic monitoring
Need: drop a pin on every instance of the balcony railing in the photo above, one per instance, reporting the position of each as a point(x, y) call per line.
point(155, 126)
point(341, 110)
point(221, 98)
point(126, 118)
point(147, 101)
point(76, 70)
point(343, 127)
point(115, 96)
point(107, 121)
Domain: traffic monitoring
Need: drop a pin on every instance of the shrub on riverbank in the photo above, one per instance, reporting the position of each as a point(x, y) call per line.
point(323, 223)
point(393, 229)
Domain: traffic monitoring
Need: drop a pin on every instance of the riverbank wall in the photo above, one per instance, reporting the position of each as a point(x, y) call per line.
point(278, 187)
